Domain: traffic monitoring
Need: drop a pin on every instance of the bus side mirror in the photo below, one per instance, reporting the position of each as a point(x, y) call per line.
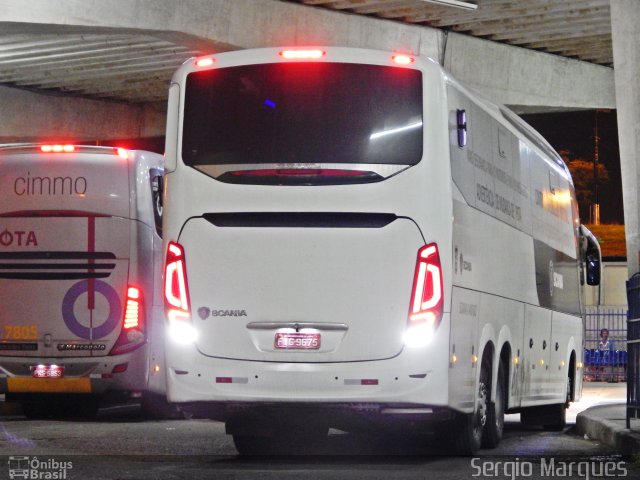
point(592, 255)
point(593, 269)
point(157, 190)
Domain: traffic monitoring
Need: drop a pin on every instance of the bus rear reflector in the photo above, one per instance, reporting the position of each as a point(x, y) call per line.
point(302, 54)
point(176, 295)
point(427, 300)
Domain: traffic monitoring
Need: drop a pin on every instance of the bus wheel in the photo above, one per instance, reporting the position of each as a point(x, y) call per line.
point(35, 410)
point(557, 416)
point(253, 445)
point(495, 412)
point(307, 442)
point(154, 406)
point(469, 427)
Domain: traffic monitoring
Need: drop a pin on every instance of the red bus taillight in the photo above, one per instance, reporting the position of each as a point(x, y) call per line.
point(132, 313)
point(132, 334)
point(425, 310)
point(176, 295)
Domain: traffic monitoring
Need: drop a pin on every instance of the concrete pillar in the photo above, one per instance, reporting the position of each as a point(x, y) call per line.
point(625, 23)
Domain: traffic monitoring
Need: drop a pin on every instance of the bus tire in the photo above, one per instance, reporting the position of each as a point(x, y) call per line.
point(304, 442)
point(156, 407)
point(494, 428)
point(249, 445)
point(556, 417)
point(35, 410)
point(558, 413)
point(468, 434)
point(469, 427)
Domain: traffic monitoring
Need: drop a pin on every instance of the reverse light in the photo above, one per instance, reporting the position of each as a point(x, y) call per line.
point(122, 153)
point(419, 335)
point(179, 330)
point(176, 295)
point(302, 54)
point(425, 310)
point(132, 334)
point(403, 59)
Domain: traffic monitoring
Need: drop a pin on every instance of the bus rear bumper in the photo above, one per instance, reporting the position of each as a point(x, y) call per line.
point(81, 375)
point(265, 418)
point(416, 377)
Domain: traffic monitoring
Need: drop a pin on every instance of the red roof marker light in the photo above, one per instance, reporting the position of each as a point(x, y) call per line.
point(204, 62)
point(122, 153)
point(302, 54)
point(57, 148)
point(403, 59)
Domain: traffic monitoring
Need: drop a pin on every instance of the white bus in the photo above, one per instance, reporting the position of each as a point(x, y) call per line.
point(355, 240)
point(80, 258)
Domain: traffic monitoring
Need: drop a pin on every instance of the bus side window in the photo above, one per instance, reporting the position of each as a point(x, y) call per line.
point(157, 179)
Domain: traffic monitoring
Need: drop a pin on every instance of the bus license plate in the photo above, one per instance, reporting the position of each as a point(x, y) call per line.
point(297, 341)
point(47, 371)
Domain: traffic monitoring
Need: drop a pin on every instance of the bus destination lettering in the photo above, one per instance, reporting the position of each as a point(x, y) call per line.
point(18, 238)
point(501, 204)
point(28, 185)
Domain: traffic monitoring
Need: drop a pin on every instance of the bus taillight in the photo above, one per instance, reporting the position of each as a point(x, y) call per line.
point(426, 306)
point(176, 295)
point(133, 309)
point(132, 334)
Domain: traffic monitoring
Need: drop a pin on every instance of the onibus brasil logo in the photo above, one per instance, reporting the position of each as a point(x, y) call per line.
point(36, 469)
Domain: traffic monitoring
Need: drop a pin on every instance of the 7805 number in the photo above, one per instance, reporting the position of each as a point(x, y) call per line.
point(20, 332)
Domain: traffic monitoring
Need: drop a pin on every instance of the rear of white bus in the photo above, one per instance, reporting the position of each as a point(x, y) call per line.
point(75, 276)
point(307, 227)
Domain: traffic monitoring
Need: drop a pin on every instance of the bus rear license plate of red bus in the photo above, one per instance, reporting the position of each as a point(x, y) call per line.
point(297, 341)
point(47, 371)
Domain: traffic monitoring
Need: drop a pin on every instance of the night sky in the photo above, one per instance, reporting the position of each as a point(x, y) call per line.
point(574, 131)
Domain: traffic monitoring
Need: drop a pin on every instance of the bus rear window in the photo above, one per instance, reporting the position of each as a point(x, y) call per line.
point(303, 113)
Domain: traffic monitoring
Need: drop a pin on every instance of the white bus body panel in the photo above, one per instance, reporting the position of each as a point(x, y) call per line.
point(92, 207)
point(491, 254)
point(301, 275)
point(515, 259)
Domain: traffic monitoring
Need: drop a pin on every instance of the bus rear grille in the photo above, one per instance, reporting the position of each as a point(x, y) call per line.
point(56, 265)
